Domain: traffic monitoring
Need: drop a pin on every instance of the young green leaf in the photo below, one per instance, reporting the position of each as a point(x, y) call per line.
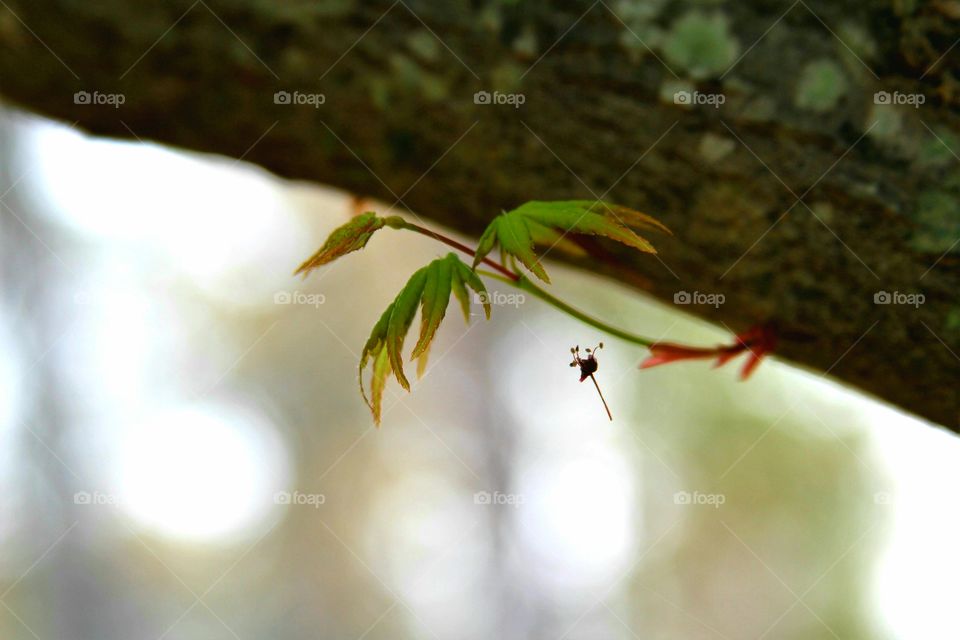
point(430, 289)
point(516, 231)
point(433, 304)
point(404, 308)
point(349, 237)
point(544, 236)
point(515, 239)
point(381, 369)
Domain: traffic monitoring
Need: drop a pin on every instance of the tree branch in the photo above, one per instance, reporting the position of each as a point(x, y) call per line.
point(799, 198)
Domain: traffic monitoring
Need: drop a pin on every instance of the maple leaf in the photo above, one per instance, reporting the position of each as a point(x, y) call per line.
point(346, 238)
point(517, 231)
point(429, 289)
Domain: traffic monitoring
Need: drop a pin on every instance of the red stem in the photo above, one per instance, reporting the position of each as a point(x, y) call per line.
point(462, 247)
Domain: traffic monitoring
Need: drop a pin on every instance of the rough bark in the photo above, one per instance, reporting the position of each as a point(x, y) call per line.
point(880, 183)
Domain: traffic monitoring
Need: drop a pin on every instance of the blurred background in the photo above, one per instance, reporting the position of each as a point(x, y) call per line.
point(184, 452)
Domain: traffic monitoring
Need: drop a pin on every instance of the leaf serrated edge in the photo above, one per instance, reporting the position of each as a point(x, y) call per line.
point(487, 240)
point(345, 239)
point(433, 302)
point(400, 320)
point(374, 347)
point(378, 382)
point(594, 224)
point(516, 239)
point(472, 280)
point(460, 291)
